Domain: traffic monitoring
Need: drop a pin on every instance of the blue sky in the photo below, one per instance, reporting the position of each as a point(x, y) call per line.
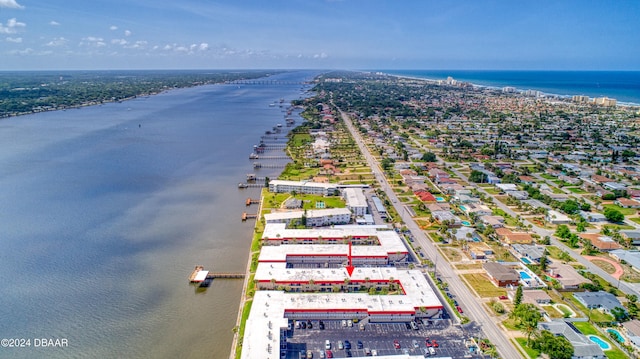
point(320, 34)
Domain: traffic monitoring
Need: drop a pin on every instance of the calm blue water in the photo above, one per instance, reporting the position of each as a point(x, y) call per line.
point(596, 339)
point(524, 275)
point(621, 85)
point(617, 335)
point(105, 210)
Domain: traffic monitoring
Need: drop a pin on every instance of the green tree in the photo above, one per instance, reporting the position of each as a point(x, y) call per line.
point(517, 300)
point(613, 215)
point(477, 177)
point(557, 347)
point(563, 231)
point(620, 314)
point(544, 261)
point(429, 157)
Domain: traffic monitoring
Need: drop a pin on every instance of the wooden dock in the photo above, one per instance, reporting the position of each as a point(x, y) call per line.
point(251, 185)
point(246, 216)
point(225, 275)
point(195, 272)
point(251, 201)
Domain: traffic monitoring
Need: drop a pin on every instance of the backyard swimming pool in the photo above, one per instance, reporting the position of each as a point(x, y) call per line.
point(465, 223)
point(524, 275)
point(616, 334)
point(596, 339)
point(463, 208)
point(439, 199)
point(525, 260)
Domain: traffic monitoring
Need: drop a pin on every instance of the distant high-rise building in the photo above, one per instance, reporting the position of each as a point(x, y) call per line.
point(605, 101)
point(580, 99)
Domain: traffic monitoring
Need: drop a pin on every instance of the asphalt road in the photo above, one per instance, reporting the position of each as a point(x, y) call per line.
point(471, 306)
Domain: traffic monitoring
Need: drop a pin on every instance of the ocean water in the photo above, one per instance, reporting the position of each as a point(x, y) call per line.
point(621, 85)
point(105, 210)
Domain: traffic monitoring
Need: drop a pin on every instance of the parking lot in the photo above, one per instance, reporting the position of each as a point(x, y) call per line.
point(378, 337)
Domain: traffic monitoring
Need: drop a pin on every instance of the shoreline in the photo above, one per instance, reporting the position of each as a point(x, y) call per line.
point(520, 90)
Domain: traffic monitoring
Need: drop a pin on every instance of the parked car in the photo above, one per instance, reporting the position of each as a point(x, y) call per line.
point(435, 343)
point(459, 310)
point(347, 344)
point(327, 344)
point(329, 354)
point(396, 344)
point(504, 297)
point(340, 345)
point(360, 345)
point(415, 344)
point(309, 354)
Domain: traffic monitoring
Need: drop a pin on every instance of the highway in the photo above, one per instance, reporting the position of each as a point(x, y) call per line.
point(470, 304)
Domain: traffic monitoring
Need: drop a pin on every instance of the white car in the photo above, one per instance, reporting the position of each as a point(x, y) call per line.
point(327, 344)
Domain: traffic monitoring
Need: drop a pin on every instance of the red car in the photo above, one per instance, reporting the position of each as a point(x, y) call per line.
point(435, 344)
point(329, 354)
point(504, 297)
point(427, 343)
point(459, 310)
point(396, 344)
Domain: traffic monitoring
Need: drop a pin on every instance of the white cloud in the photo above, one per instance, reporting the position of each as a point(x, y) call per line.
point(54, 23)
point(320, 56)
point(16, 40)
point(127, 33)
point(56, 42)
point(113, 27)
point(139, 45)
point(167, 47)
point(26, 51)
point(12, 4)
point(119, 42)
point(15, 23)
point(93, 41)
point(203, 46)
point(11, 27)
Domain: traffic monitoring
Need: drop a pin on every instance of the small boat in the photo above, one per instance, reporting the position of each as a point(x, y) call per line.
point(242, 185)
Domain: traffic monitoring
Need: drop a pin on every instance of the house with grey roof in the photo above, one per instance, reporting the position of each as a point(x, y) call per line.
point(632, 235)
point(593, 216)
point(583, 348)
point(599, 300)
point(532, 252)
point(631, 257)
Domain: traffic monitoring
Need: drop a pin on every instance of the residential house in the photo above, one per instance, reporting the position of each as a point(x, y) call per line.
point(441, 216)
point(532, 252)
point(493, 221)
point(632, 330)
point(555, 217)
point(519, 195)
point(506, 236)
point(566, 275)
point(593, 217)
point(631, 235)
point(627, 203)
point(501, 276)
point(602, 243)
point(467, 234)
point(479, 250)
point(631, 257)
point(536, 296)
point(604, 301)
point(583, 348)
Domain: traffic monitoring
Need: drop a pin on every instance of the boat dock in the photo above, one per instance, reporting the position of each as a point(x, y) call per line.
point(268, 165)
point(251, 185)
point(246, 216)
point(199, 275)
point(251, 201)
point(255, 156)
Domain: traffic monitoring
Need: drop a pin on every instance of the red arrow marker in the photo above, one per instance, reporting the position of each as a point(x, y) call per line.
point(350, 267)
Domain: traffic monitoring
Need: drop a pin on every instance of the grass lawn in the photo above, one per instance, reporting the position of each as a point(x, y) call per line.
point(635, 219)
point(625, 211)
point(552, 312)
point(547, 176)
point(619, 226)
point(483, 286)
point(605, 266)
point(451, 254)
point(576, 190)
point(630, 275)
point(492, 190)
point(532, 353)
point(595, 315)
point(468, 266)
